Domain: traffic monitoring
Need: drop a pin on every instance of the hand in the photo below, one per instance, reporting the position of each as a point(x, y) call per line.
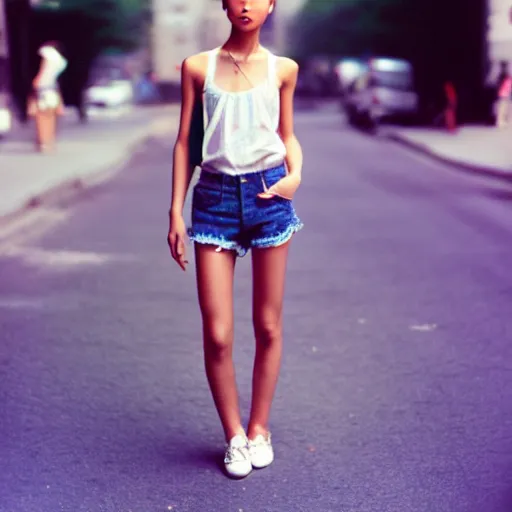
point(176, 240)
point(285, 187)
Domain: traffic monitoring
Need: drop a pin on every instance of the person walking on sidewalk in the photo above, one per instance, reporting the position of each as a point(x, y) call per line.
point(504, 96)
point(46, 102)
point(450, 110)
point(251, 168)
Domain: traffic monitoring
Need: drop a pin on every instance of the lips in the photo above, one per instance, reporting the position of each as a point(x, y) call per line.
point(245, 19)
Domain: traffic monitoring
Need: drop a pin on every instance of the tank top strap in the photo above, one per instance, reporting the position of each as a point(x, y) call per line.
point(272, 68)
point(212, 66)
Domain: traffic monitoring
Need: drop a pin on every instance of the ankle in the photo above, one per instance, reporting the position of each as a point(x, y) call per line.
point(230, 433)
point(256, 430)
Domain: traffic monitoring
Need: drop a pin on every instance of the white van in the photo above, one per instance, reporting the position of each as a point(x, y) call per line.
point(385, 90)
point(347, 71)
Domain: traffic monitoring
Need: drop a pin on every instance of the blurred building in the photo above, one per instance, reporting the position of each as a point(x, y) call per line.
point(214, 25)
point(5, 104)
point(4, 49)
point(285, 14)
point(499, 33)
point(182, 28)
point(174, 37)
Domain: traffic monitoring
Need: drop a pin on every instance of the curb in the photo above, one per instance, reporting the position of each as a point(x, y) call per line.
point(460, 165)
point(71, 187)
point(67, 189)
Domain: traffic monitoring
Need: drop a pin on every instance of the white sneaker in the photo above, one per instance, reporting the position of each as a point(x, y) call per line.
point(237, 459)
point(261, 451)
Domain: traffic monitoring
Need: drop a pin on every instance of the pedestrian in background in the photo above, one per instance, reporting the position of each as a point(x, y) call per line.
point(250, 170)
point(45, 104)
point(504, 94)
point(451, 101)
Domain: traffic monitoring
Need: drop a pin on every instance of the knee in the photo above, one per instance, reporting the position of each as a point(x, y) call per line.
point(268, 331)
point(218, 340)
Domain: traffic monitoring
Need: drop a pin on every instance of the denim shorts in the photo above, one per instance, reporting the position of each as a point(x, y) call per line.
point(227, 212)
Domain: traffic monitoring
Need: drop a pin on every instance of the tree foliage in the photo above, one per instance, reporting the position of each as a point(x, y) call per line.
point(114, 24)
point(358, 27)
point(444, 40)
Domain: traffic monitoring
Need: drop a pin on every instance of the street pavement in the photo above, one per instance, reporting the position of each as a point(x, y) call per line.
point(395, 387)
point(485, 149)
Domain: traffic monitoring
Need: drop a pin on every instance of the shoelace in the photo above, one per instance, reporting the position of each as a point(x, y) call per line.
point(235, 454)
point(260, 441)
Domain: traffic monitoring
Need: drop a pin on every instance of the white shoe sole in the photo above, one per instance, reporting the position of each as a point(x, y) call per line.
point(237, 476)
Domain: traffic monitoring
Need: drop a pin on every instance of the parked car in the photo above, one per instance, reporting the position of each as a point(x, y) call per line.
point(309, 84)
point(5, 115)
point(384, 91)
point(146, 91)
point(318, 78)
point(109, 88)
point(347, 71)
point(109, 93)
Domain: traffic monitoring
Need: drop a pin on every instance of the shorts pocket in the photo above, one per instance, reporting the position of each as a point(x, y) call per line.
point(271, 178)
point(267, 183)
point(205, 196)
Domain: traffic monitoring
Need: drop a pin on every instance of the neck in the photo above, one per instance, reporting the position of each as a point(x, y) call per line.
point(243, 43)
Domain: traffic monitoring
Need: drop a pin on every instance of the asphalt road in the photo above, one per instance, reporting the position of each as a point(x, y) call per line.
point(395, 393)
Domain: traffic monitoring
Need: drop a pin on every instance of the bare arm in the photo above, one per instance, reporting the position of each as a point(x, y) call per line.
point(294, 159)
point(37, 78)
point(286, 187)
point(190, 86)
point(182, 172)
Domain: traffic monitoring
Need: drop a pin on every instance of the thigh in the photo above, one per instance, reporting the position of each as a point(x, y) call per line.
point(44, 116)
point(269, 274)
point(42, 122)
point(216, 215)
point(215, 273)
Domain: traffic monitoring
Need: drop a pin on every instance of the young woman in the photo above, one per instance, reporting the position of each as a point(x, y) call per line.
point(450, 110)
point(46, 101)
point(251, 168)
point(504, 96)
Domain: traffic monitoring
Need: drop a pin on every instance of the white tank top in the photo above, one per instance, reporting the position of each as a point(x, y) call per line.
point(241, 128)
point(55, 64)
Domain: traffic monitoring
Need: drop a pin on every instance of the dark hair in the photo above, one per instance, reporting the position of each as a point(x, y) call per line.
point(224, 4)
point(54, 44)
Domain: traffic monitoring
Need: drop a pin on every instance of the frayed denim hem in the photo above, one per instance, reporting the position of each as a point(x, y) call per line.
point(218, 241)
point(280, 239)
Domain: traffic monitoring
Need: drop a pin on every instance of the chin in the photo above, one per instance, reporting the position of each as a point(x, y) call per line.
point(248, 28)
point(242, 27)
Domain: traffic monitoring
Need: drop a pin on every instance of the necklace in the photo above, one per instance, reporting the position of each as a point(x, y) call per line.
point(239, 69)
point(240, 61)
point(235, 62)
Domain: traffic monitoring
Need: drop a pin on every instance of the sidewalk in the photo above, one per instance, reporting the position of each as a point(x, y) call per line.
point(86, 154)
point(477, 148)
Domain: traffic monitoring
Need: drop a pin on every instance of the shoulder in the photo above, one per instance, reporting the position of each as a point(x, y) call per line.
point(287, 70)
point(51, 54)
point(287, 64)
point(196, 65)
point(47, 52)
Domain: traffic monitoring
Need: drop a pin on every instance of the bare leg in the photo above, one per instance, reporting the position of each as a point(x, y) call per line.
point(39, 129)
point(215, 272)
point(52, 128)
point(451, 119)
point(501, 118)
point(45, 124)
point(269, 269)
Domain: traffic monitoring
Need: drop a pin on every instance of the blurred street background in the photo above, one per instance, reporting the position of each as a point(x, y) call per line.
point(395, 389)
